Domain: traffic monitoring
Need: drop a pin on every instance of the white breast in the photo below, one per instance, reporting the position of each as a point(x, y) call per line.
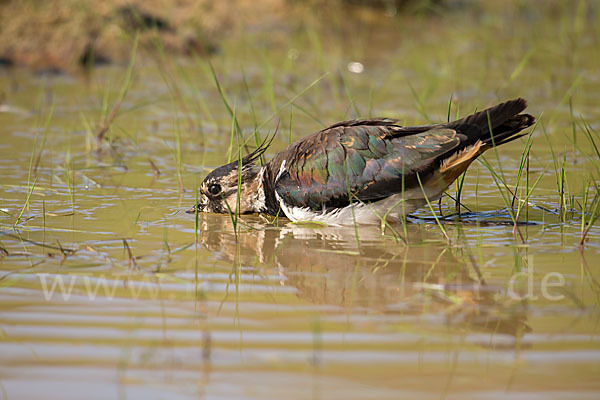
point(392, 207)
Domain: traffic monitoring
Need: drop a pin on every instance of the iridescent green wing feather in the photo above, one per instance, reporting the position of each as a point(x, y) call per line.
point(365, 158)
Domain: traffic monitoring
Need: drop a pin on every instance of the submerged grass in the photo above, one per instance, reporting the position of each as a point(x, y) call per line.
point(26, 204)
point(592, 210)
point(107, 118)
point(234, 215)
point(437, 220)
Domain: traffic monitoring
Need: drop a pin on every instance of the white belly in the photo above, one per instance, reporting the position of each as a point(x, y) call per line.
point(392, 207)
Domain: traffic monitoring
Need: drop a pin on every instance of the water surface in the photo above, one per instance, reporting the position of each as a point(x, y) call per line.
point(153, 306)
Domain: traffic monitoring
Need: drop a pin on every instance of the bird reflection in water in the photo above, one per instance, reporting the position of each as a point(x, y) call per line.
point(384, 276)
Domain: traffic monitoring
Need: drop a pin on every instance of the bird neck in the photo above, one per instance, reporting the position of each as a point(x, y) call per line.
point(265, 188)
point(252, 193)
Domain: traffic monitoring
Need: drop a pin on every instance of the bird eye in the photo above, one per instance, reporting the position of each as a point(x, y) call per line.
point(214, 189)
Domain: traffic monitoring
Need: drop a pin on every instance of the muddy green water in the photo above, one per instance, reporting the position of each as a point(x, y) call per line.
point(293, 311)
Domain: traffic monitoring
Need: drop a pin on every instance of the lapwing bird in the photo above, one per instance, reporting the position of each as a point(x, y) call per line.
point(358, 171)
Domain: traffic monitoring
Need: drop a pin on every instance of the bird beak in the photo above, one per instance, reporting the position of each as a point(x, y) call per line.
point(201, 206)
point(193, 209)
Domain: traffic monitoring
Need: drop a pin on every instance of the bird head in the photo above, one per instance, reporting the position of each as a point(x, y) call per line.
point(219, 190)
